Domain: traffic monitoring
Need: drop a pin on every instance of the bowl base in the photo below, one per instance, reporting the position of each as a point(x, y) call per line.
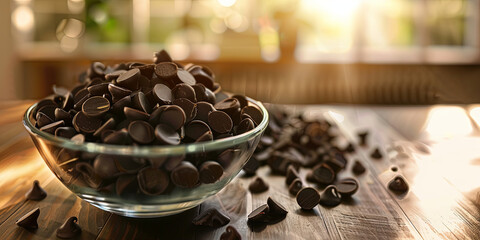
point(141, 211)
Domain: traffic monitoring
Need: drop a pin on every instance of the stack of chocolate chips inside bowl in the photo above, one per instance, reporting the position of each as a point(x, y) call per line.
point(162, 103)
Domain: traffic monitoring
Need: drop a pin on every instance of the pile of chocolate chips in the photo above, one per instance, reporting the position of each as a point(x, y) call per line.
point(163, 103)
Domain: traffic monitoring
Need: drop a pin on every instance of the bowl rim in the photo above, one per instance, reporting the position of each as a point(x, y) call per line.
point(148, 151)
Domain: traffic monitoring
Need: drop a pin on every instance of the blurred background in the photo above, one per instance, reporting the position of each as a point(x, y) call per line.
point(283, 51)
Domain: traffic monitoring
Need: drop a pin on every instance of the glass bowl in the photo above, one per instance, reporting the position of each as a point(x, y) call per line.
point(72, 163)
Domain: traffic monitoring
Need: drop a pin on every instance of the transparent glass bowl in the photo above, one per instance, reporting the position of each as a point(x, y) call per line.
point(72, 162)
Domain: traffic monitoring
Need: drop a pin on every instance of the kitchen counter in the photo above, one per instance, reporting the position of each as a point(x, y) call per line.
point(440, 162)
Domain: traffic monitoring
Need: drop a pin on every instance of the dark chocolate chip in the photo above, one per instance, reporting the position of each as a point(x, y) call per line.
point(141, 132)
point(167, 135)
point(140, 102)
point(258, 185)
point(250, 168)
point(330, 197)
point(203, 109)
point(350, 148)
point(184, 91)
point(362, 136)
point(129, 79)
point(99, 89)
point(29, 220)
point(185, 77)
point(119, 137)
point(61, 114)
point(114, 75)
point(295, 186)
point(126, 185)
point(398, 184)
point(308, 198)
point(189, 108)
point(226, 157)
point(211, 218)
point(185, 175)
point(108, 125)
point(41, 104)
point(166, 71)
point(133, 114)
point(292, 174)
point(162, 94)
point(231, 106)
point(52, 127)
point(230, 234)
point(69, 229)
point(200, 92)
point(207, 136)
point(358, 168)
point(117, 92)
point(105, 166)
point(195, 129)
point(173, 116)
point(242, 100)
point(78, 139)
point(210, 172)
point(324, 174)
point(254, 113)
point(220, 122)
point(347, 187)
point(65, 132)
point(85, 124)
point(96, 106)
point(275, 208)
point(245, 125)
point(260, 214)
point(153, 181)
point(376, 154)
point(203, 78)
point(118, 107)
point(36, 193)
point(161, 56)
point(43, 119)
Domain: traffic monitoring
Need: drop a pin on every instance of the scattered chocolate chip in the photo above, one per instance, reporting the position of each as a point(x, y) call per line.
point(29, 220)
point(358, 168)
point(295, 186)
point(292, 174)
point(230, 234)
point(350, 148)
point(347, 187)
point(398, 184)
point(211, 218)
point(69, 229)
point(259, 215)
point(36, 193)
point(376, 154)
point(330, 197)
point(275, 208)
point(308, 198)
point(324, 174)
point(362, 136)
point(210, 172)
point(258, 185)
point(394, 168)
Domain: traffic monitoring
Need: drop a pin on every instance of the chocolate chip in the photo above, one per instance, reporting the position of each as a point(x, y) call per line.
point(363, 137)
point(210, 172)
point(242, 100)
point(52, 127)
point(231, 106)
point(258, 185)
point(189, 108)
point(140, 102)
point(43, 119)
point(85, 124)
point(119, 137)
point(350, 148)
point(250, 168)
point(184, 91)
point(65, 132)
point(330, 197)
point(133, 114)
point(129, 79)
point(105, 166)
point(358, 168)
point(117, 92)
point(275, 208)
point(69, 229)
point(95, 106)
point(185, 175)
point(78, 139)
point(200, 92)
point(173, 116)
point(185, 77)
point(141, 132)
point(119, 106)
point(29, 220)
point(323, 174)
point(309, 177)
point(259, 215)
point(126, 185)
point(166, 71)
point(114, 75)
point(68, 103)
point(99, 89)
point(254, 113)
point(203, 109)
point(394, 168)
point(61, 114)
point(161, 56)
point(211, 218)
point(108, 125)
point(207, 136)
point(96, 69)
point(152, 181)
point(245, 125)
point(347, 187)
point(162, 94)
point(292, 174)
point(376, 154)
point(308, 198)
point(195, 129)
point(42, 103)
point(226, 157)
point(230, 234)
point(36, 193)
point(220, 122)
point(398, 184)
point(167, 135)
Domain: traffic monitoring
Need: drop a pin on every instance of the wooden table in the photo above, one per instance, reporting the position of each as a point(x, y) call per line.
point(442, 202)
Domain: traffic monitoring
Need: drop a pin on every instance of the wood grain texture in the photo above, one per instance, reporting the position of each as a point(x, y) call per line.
point(443, 212)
